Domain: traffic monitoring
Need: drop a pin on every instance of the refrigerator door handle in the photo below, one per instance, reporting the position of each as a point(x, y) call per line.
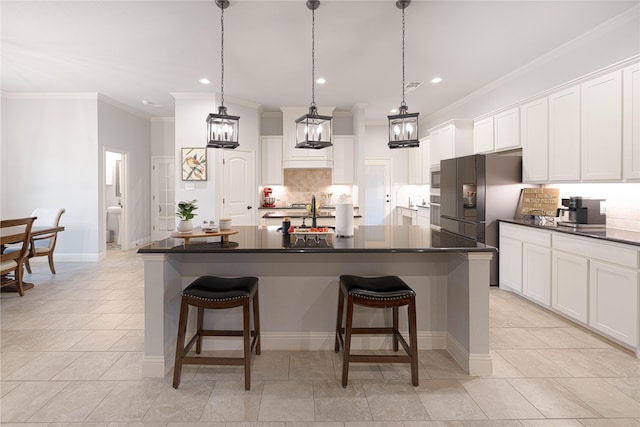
point(465, 221)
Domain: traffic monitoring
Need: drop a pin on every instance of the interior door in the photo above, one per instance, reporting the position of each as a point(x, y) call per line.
point(377, 192)
point(163, 205)
point(239, 189)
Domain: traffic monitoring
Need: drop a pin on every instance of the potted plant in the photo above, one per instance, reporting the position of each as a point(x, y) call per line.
point(185, 213)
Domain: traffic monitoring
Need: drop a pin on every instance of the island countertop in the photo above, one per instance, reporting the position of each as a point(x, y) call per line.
point(366, 239)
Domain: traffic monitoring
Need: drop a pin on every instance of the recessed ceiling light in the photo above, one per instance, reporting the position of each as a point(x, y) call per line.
point(150, 103)
point(204, 81)
point(393, 111)
point(436, 80)
point(321, 80)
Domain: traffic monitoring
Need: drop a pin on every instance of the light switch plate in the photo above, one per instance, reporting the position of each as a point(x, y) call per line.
point(190, 186)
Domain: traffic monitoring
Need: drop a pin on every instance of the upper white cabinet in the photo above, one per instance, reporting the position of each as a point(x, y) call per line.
point(425, 151)
point(507, 129)
point(343, 161)
point(631, 122)
point(419, 163)
point(564, 135)
point(534, 134)
point(483, 135)
point(601, 128)
point(302, 157)
point(271, 147)
point(451, 139)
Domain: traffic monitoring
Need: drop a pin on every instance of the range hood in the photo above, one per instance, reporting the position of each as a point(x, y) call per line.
point(302, 158)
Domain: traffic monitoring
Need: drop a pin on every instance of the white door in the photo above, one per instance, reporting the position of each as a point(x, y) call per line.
point(377, 191)
point(163, 205)
point(239, 189)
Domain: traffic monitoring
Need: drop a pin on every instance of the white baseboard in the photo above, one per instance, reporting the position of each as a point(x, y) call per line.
point(474, 364)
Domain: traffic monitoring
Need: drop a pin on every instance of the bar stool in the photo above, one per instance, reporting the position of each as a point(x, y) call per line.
point(377, 292)
point(209, 292)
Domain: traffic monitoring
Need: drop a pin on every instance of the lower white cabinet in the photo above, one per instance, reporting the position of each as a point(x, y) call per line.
point(613, 302)
point(536, 272)
point(423, 216)
point(569, 285)
point(510, 262)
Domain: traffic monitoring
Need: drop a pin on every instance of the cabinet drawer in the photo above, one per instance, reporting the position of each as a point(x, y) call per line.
point(603, 251)
point(526, 234)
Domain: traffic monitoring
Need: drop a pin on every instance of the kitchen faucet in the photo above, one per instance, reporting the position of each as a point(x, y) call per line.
point(314, 223)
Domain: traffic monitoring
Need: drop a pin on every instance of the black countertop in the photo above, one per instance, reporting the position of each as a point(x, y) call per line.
point(609, 234)
point(366, 239)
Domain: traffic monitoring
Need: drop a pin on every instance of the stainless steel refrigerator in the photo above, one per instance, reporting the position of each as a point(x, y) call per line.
point(475, 191)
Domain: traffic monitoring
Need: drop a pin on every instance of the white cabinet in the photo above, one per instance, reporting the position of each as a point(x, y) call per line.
point(507, 129)
point(569, 285)
point(434, 150)
point(293, 157)
point(631, 122)
point(425, 152)
point(483, 135)
point(613, 301)
point(601, 128)
point(406, 216)
point(534, 135)
point(536, 272)
point(510, 262)
point(451, 139)
point(271, 147)
point(415, 165)
point(564, 135)
point(343, 160)
point(423, 216)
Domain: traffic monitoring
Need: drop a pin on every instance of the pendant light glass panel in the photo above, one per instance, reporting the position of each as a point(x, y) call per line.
point(403, 130)
point(313, 130)
point(222, 129)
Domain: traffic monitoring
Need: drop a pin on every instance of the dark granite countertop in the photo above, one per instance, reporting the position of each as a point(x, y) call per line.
point(609, 234)
point(366, 239)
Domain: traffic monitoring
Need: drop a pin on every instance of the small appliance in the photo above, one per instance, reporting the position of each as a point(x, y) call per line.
point(579, 212)
point(267, 200)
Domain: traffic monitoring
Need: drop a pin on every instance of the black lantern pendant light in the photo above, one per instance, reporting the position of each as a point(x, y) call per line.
point(222, 129)
point(313, 130)
point(403, 127)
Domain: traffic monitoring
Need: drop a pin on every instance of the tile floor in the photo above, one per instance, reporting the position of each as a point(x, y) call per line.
point(71, 353)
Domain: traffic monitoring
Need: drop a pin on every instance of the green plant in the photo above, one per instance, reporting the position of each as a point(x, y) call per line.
point(185, 209)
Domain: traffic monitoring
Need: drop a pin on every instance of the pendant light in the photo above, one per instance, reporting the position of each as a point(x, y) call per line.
point(222, 129)
point(312, 129)
point(403, 127)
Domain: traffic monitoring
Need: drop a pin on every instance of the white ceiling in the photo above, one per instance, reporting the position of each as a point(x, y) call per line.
point(134, 50)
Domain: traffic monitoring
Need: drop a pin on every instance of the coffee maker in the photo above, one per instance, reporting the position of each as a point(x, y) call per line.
point(581, 213)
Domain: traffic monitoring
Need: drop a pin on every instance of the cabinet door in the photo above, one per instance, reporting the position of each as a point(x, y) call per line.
point(342, 160)
point(507, 129)
point(272, 160)
point(510, 259)
point(601, 131)
point(613, 301)
point(425, 152)
point(534, 132)
point(446, 137)
point(434, 150)
point(483, 135)
point(415, 165)
point(564, 135)
point(569, 285)
point(536, 273)
point(631, 122)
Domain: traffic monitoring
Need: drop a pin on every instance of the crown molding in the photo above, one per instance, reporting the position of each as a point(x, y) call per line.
point(50, 95)
point(163, 119)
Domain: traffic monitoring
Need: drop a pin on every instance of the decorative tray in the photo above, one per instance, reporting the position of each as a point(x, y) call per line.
point(318, 232)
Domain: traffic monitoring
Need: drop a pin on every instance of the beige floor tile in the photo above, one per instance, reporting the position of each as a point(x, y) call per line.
point(12, 360)
point(502, 368)
point(492, 423)
point(439, 364)
point(7, 386)
point(128, 401)
point(499, 399)
point(373, 424)
point(74, 402)
point(552, 423)
point(23, 401)
point(621, 422)
point(394, 400)
point(311, 365)
point(448, 400)
point(623, 363)
point(59, 340)
point(544, 319)
point(560, 338)
point(577, 363)
point(135, 321)
point(44, 366)
point(270, 365)
point(507, 319)
point(183, 404)
point(357, 371)
point(287, 401)
point(342, 409)
point(532, 363)
point(88, 366)
point(127, 368)
point(602, 396)
point(314, 424)
point(107, 321)
point(629, 386)
point(71, 321)
point(552, 399)
point(514, 338)
point(229, 401)
point(133, 340)
point(588, 337)
point(98, 340)
point(432, 424)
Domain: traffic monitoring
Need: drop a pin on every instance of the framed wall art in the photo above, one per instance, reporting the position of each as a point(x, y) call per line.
point(194, 164)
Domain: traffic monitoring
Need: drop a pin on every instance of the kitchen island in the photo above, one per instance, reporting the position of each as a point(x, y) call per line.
point(299, 289)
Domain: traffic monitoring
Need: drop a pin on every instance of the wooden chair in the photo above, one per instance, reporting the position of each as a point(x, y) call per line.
point(16, 231)
point(42, 245)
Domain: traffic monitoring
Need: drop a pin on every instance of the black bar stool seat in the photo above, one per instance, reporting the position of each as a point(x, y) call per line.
point(378, 292)
point(210, 292)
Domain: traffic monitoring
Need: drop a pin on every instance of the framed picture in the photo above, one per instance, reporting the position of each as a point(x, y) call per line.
point(194, 164)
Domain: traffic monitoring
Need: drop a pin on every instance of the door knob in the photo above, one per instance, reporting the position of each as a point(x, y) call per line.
point(249, 207)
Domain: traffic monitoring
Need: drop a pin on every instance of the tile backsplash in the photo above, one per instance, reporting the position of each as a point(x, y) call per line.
point(301, 184)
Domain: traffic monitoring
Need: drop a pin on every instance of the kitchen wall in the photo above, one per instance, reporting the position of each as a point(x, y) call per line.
point(163, 136)
point(301, 184)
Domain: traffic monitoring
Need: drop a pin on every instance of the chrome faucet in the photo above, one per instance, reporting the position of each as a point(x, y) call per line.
point(313, 212)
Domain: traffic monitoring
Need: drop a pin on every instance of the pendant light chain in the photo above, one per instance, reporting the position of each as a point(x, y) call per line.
point(313, 58)
point(222, 57)
point(403, 103)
